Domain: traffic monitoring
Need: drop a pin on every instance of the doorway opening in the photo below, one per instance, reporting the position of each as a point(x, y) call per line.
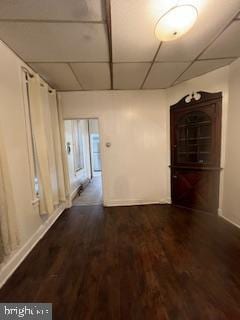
point(82, 140)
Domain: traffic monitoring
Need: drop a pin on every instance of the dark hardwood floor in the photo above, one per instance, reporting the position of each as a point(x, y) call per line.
point(142, 262)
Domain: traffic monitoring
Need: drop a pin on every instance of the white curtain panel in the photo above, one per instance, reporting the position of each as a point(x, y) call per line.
point(9, 232)
point(60, 190)
point(50, 142)
point(39, 106)
point(67, 187)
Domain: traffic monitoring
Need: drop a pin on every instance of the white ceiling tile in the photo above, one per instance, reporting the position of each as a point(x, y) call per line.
point(58, 75)
point(133, 24)
point(212, 17)
point(203, 66)
point(129, 75)
point(93, 76)
point(47, 42)
point(84, 10)
point(164, 74)
point(227, 45)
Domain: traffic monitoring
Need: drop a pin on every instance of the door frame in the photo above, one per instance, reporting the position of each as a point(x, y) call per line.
point(65, 163)
point(91, 136)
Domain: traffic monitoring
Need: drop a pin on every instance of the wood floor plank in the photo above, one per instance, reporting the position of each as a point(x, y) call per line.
point(141, 262)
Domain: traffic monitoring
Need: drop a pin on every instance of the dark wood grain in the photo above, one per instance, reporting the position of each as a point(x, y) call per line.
point(204, 97)
point(194, 176)
point(142, 262)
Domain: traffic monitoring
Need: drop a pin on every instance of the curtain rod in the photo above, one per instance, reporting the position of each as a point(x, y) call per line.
point(31, 75)
point(28, 72)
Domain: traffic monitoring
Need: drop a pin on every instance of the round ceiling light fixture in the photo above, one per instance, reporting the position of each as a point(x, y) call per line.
point(176, 22)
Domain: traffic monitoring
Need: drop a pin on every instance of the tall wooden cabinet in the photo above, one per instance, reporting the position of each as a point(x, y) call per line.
point(195, 151)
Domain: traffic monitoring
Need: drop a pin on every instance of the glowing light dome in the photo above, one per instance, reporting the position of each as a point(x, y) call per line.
point(176, 22)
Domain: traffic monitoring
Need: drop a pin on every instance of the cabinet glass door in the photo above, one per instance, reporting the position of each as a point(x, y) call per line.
point(194, 138)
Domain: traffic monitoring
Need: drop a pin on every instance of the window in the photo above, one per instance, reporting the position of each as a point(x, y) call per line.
point(77, 145)
point(30, 137)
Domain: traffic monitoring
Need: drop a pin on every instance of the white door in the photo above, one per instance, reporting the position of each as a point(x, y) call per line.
point(96, 158)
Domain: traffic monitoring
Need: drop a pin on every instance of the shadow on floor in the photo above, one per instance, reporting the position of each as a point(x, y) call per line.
point(92, 194)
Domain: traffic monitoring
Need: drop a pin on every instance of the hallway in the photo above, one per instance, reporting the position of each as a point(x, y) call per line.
point(91, 195)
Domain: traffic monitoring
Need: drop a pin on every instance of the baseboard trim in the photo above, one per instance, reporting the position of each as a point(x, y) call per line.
point(17, 257)
point(133, 202)
point(72, 196)
point(230, 221)
point(84, 183)
point(168, 200)
point(74, 193)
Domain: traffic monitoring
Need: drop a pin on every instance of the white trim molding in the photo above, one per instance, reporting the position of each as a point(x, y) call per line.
point(16, 258)
point(168, 200)
point(74, 192)
point(132, 202)
point(230, 221)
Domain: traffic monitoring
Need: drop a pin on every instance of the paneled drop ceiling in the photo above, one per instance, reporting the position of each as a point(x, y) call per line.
point(110, 44)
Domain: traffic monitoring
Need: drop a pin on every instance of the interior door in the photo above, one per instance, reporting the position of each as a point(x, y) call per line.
point(96, 153)
point(195, 151)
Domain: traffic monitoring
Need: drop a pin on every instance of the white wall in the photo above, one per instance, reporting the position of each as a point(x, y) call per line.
point(76, 178)
point(137, 124)
point(231, 196)
point(14, 144)
point(135, 167)
point(12, 124)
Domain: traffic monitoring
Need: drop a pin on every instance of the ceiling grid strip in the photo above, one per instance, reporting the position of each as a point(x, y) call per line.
point(72, 62)
point(75, 76)
point(152, 63)
point(109, 32)
point(210, 43)
point(106, 21)
point(53, 21)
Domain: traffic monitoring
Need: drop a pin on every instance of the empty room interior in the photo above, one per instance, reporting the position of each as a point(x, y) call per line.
point(120, 159)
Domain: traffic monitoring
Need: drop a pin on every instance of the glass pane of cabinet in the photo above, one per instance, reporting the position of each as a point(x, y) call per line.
point(194, 138)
